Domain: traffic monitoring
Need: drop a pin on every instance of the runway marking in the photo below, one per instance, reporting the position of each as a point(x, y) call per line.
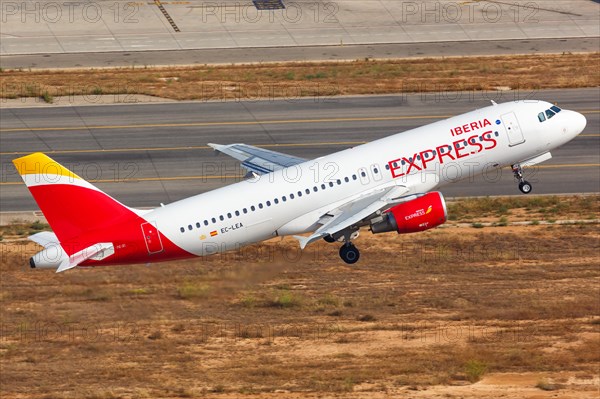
point(240, 123)
point(239, 177)
point(167, 16)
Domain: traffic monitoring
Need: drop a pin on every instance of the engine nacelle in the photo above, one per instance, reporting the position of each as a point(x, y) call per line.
point(420, 214)
point(49, 258)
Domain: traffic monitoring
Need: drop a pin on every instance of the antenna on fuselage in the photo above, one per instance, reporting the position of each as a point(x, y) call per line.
point(494, 103)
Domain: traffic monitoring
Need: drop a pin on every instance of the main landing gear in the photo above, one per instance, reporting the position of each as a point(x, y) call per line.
point(524, 185)
point(348, 252)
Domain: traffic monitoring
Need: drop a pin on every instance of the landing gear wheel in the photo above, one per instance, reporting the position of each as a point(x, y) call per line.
point(349, 253)
point(525, 187)
point(329, 239)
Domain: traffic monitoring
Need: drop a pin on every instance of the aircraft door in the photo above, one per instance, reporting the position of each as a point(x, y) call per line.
point(513, 129)
point(152, 238)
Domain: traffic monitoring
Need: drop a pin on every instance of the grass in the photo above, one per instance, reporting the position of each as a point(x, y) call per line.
point(517, 208)
point(47, 97)
point(474, 370)
point(193, 290)
point(22, 230)
point(285, 299)
point(525, 72)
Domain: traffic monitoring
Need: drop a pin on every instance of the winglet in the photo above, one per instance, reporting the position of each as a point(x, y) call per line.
point(216, 147)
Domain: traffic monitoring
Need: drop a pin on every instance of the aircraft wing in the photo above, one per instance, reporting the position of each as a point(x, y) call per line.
point(352, 213)
point(258, 160)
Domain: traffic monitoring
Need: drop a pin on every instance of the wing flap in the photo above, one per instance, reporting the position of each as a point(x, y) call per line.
point(353, 212)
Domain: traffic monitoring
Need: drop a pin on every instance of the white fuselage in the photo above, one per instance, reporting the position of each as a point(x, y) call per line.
point(291, 201)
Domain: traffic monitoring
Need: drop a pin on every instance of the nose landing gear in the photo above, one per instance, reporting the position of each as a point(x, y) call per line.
point(524, 185)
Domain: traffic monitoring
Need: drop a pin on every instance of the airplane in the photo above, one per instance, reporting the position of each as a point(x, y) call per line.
point(386, 185)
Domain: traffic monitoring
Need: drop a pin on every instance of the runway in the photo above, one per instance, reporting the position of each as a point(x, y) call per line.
point(338, 52)
point(147, 154)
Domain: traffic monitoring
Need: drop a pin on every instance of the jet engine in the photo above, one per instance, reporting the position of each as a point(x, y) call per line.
point(423, 213)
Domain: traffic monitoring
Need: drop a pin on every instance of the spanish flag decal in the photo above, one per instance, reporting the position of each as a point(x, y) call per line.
point(213, 233)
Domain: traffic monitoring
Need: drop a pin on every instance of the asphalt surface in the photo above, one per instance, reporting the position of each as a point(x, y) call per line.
point(299, 53)
point(49, 34)
point(145, 154)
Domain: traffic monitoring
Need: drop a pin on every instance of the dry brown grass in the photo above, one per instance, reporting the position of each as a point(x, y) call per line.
point(441, 307)
point(292, 80)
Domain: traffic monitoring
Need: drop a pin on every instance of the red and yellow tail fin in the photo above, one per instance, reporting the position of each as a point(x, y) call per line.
point(71, 205)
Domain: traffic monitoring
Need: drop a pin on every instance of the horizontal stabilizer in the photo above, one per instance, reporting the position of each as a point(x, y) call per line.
point(83, 255)
point(45, 239)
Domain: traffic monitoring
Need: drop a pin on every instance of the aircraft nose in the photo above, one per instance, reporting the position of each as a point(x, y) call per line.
point(579, 122)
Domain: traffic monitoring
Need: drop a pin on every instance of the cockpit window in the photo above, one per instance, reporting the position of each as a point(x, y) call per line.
point(549, 113)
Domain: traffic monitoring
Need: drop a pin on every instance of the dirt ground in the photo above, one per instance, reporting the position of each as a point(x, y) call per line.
point(520, 73)
point(460, 312)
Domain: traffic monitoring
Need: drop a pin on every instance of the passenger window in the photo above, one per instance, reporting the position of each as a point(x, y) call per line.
point(354, 177)
point(549, 114)
point(291, 196)
point(214, 220)
point(221, 218)
point(197, 225)
point(323, 187)
point(190, 227)
point(542, 117)
point(237, 213)
point(229, 215)
point(346, 179)
point(339, 182)
point(315, 189)
point(276, 200)
point(245, 210)
point(268, 203)
point(330, 184)
point(284, 198)
point(252, 208)
point(206, 222)
point(260, 205)
point(307, 191)
point(182, 230)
